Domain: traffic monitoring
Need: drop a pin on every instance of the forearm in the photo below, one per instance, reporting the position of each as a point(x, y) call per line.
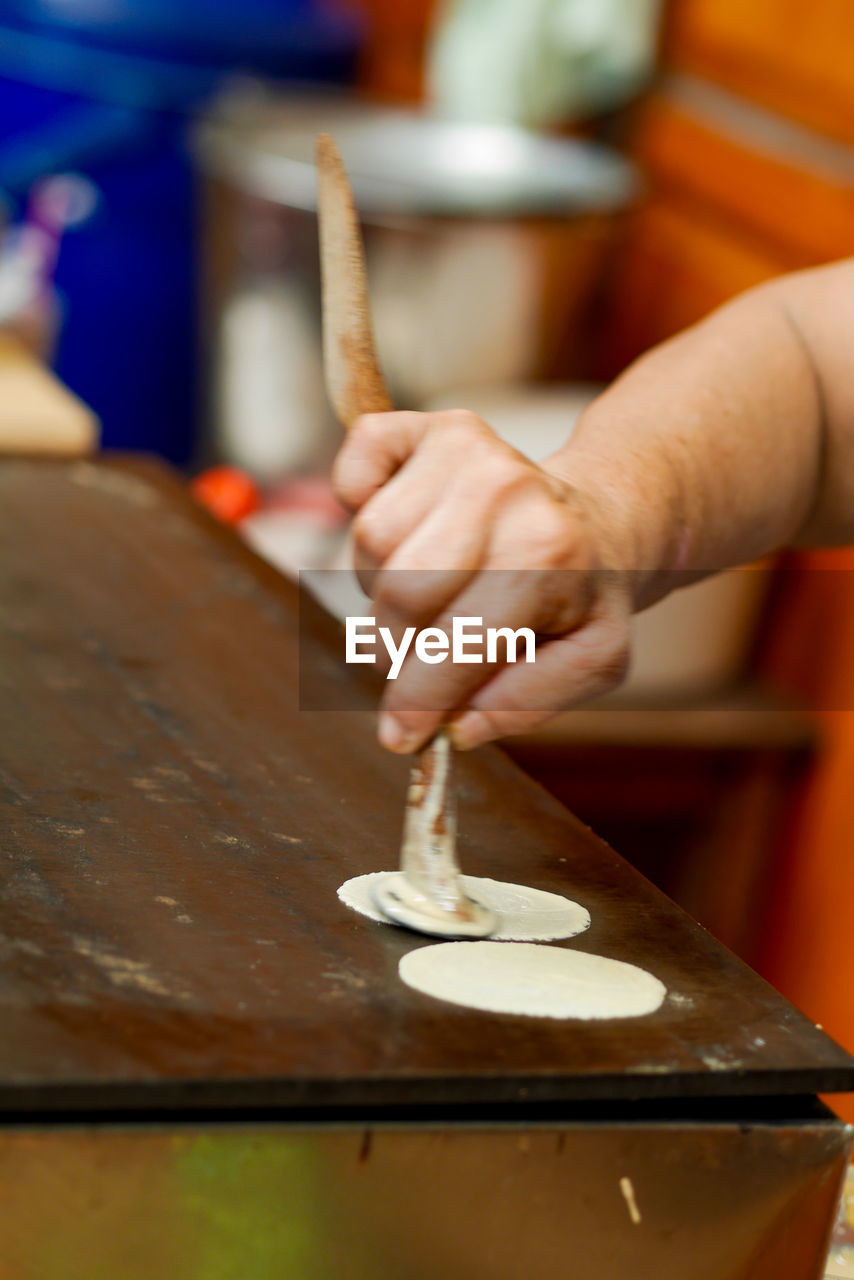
point(730, 440)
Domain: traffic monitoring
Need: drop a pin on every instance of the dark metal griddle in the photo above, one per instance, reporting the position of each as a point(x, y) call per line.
point(174, 831)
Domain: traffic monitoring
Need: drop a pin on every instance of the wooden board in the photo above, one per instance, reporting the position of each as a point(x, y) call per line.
point(793, 57)
point(175, 830)
point(784, 191)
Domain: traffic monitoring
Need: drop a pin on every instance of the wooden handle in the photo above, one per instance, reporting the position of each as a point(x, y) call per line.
point(353, 378)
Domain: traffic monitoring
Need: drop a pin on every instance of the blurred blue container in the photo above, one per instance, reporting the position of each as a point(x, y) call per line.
point(104, 87)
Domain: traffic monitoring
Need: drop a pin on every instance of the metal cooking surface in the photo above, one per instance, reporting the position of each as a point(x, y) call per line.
point(175, 830)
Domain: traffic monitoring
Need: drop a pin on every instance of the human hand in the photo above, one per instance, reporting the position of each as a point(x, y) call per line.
point(442, 504)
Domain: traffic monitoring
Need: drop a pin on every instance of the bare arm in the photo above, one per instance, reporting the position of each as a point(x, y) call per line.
point(736, 437)
point(729, 441)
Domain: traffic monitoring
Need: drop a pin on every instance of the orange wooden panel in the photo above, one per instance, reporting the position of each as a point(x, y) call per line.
point(798, 199)
point(737, 197)
point(794, 56)
point(677, 264)
point(807, 947)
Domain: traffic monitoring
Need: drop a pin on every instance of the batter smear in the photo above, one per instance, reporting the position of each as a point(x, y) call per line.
point(524, 915)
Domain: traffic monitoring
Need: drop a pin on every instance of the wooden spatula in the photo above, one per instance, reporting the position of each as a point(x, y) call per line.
point(427, 893)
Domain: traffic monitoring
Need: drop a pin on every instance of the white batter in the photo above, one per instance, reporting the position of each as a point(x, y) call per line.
point(526, 915)
point(541, 982)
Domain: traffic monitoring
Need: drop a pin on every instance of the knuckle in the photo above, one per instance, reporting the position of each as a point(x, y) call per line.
point(493, 723)
point(519, 719)
point(553, 539)
point(401, 591)
point(368, 532)
point(376, 435)
point(395, 590)
point(614, 659)
point(459, 431)
point(459, 420)
point(393, 594)
point(502, 470)
point(342, 469)
point(556, 529)
point(370, 426)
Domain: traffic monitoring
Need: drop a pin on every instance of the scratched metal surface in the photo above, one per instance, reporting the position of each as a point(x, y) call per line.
point(174, 831)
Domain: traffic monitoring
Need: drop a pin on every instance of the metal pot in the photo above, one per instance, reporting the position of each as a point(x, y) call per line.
point(482, 244)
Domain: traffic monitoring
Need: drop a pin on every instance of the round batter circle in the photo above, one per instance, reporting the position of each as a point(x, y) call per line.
point(534, 981)
point(525, 915)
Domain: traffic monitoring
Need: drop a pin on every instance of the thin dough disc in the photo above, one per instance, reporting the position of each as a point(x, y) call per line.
point(526, 915)
point(540, 982)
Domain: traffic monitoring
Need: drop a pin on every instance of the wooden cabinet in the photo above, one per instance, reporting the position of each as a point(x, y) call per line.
point(747, 144)
point(735, 195)
point(678, 263)
point(792, 56)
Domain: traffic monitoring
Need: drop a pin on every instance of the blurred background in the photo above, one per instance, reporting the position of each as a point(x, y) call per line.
point(548, 188)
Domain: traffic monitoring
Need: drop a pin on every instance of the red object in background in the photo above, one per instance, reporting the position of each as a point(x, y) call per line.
point(392, 60)
point(227, 492)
